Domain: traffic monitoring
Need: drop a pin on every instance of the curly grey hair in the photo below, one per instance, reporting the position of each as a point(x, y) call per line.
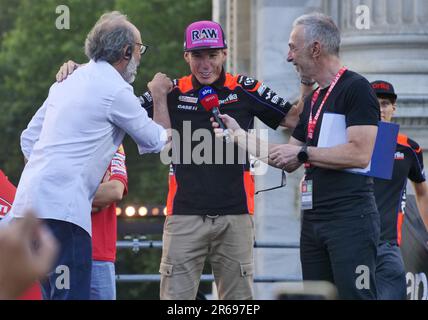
point(108, 37)
point(320, 27)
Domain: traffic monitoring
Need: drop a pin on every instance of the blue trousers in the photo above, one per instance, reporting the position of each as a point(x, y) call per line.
point(103, 280)
point(70, 278)
point(390, 273)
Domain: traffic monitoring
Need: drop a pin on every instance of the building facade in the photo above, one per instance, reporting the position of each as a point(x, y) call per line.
point(381, 39)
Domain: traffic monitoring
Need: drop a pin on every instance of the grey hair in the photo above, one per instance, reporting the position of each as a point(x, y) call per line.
point(320, 27)
point(108, 37)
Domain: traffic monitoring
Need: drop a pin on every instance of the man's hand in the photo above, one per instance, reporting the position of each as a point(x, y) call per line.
point(66, 69)
point(285, 156)
point(27, 253)
point(161, 85)
point(230, 123)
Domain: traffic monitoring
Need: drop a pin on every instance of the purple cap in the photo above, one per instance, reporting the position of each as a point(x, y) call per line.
point(204, 35)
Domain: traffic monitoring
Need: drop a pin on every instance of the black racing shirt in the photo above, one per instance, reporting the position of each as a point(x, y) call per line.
point(391, 194)
point(211, 185)
point(337, 193)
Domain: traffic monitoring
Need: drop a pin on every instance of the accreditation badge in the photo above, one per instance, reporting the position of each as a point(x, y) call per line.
point(307, 195)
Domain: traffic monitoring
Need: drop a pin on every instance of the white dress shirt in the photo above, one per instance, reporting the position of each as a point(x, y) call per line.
point(72, 138)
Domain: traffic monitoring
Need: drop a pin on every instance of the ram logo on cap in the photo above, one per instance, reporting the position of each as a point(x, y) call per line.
point(204, 35)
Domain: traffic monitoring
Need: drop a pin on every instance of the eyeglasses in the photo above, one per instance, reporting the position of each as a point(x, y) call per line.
point(283, 179)
point(143, 48)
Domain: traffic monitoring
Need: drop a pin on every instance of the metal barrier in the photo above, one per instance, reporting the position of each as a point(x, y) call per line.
point(137, 244)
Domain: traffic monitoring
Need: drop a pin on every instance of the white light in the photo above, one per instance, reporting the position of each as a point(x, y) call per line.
point(165, 212)
point(155, 211)
point(118, 211)
point(130, 211)
point(142, 211)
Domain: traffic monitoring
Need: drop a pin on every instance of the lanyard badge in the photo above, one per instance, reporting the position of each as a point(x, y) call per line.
point(307, 194)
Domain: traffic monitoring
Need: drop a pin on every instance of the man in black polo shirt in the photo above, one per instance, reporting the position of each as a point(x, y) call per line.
point(391, 201)
point(340, 223)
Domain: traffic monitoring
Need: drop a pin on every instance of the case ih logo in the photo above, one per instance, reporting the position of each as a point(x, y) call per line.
point(4, 207)
point(207, 33)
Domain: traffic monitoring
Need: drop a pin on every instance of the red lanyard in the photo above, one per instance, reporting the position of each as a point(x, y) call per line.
point(313, 121)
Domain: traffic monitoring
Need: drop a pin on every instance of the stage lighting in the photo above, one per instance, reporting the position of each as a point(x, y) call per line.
point(142, 211)
point(130, 211)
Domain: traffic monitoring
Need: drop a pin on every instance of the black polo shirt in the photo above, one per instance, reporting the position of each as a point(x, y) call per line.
point(210, 184)
point(335, 192)
point(391, 194)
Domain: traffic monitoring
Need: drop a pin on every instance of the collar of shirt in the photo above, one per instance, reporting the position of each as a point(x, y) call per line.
point(108, 69)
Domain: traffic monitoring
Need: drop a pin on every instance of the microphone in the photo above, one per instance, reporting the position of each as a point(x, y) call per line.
point(209, 100)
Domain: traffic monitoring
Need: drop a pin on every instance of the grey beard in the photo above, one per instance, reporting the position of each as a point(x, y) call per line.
point(130, 71)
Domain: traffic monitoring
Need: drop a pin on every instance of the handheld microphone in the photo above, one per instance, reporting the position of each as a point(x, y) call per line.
point(209, 100)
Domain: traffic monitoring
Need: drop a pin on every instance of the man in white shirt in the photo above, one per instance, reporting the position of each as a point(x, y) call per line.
point(72, 138)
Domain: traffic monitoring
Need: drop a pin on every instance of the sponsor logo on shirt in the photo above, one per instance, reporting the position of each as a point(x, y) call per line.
point(118, 171)
point(399, 156)
point(4, 207)
point(249, 82)
point(188, 99)
point(187, 107)
point(275, 99)
point(148, 97)
point(262, 89)
point(118, 163)
point(233, 97)
point(119, 156)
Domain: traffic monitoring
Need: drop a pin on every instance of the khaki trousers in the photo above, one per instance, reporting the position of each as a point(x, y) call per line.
point(228, 243)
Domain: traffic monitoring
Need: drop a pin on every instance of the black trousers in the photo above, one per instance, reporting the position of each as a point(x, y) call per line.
point(342, 250)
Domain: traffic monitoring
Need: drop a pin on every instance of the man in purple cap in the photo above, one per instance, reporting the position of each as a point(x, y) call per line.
point(391, 201)
point(210, 204)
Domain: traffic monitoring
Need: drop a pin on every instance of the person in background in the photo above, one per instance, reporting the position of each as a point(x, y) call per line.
point(391, 201)
point(104, 228)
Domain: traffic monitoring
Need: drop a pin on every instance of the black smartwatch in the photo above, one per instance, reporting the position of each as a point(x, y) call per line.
point(303, 156)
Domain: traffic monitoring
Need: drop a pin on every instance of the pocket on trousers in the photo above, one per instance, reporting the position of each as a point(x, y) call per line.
point(247, 269)
point(166, 269)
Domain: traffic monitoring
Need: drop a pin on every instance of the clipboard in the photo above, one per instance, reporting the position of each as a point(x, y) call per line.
point(333, 133)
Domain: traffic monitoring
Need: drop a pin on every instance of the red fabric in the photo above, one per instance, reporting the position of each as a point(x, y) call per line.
point(7, 195)
point(34, 293)
point(104, 222)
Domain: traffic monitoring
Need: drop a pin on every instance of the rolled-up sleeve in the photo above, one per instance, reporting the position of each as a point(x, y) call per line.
point(126, 112)
point(31, 134)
